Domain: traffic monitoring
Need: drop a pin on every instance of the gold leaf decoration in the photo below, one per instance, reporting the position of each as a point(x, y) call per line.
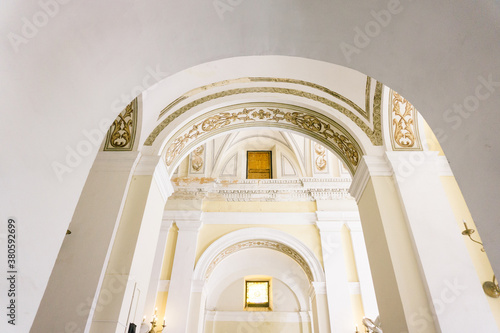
point(121, 133)
point(308, 122)
point(404, 132)
point(375, 134)
point(260, 244)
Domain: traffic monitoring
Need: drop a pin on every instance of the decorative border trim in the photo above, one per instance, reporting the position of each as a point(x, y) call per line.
point(124, 127)
point(369, 166)
point(374, 135)
point(364, 113)
point(260, 243)
point(248, 234)
point(302, 189)
point(403, 127)
point(116, 162)
point(258, 218)
point(298, 119)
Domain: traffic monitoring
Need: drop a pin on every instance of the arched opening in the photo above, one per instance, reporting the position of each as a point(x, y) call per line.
point(350, 114)
point(250, 255)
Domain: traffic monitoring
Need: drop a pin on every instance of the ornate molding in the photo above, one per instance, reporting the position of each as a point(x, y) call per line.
point(365, 113)
point(304, 189)
point(295, 118)
point(268, 244)
point(404, 125)
point(375, 134)
point(121, 134)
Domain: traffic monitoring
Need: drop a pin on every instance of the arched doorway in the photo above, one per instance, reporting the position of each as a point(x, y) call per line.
point(357, 128)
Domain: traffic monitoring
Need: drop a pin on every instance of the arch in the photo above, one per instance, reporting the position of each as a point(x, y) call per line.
point(289, 117)
point(250, 237)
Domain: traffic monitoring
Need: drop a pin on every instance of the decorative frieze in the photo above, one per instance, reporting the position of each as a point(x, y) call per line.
point(323, 129)
point(303, 189)
point(268, 244)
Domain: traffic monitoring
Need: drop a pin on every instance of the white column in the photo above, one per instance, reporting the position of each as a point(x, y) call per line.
point(157, 267)
point(123, 293)
point(458, 301)
point(363, 268)
point(84, 255)
point(196, 320)
point(337, 286)
point(177, 308)
point(319, 302)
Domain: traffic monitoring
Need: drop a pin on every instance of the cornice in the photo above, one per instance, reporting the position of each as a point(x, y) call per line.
point(304, 189)
point(116, 161)
point(369, 166)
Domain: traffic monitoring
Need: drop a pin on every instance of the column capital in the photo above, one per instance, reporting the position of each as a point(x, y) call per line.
point(198, 286)
point(108, 161)
point(153, 165)
point(355, 226)
point(328, 215)
point(369, 166)
point(147, 165)
point(166, 224)
point(186, 220)
point(329, 226)
point(317, 288)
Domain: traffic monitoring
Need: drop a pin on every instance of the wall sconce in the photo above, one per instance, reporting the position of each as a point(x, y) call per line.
point(357, 331)
point(490, 288)
point(372, 326)
point(153, 324)
point(469, 232)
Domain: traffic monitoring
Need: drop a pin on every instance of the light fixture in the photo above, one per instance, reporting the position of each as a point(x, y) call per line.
point(153, 324)
point(490, 288)
point(372, 326)
point(469, 232)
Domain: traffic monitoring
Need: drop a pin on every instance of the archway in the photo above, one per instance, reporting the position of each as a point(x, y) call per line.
point(350, 134)
point(260, 252)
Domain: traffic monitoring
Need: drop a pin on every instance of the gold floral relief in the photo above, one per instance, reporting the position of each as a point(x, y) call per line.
point(121, 133)
point(373, 131)
point(404, 133)
point(303, 120)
